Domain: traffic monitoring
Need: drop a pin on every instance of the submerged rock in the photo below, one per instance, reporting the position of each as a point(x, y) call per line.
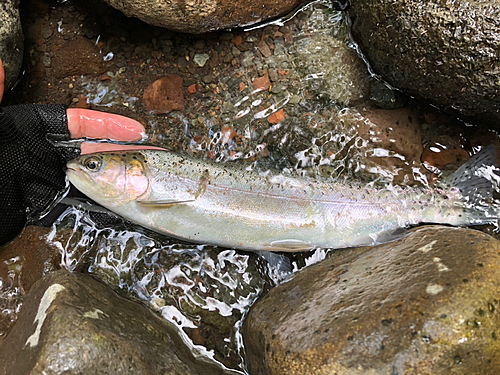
point(446, 52)
point(11, 40)
point(23, 261)
point(73, 324)
point(78, 57)
point(427, 304)
point(164, 95)
point(203, 16)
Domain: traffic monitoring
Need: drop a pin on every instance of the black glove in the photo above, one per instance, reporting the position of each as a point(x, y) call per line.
point(32, 169)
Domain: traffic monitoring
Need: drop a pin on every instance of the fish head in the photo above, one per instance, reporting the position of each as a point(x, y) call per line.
point(111, 179)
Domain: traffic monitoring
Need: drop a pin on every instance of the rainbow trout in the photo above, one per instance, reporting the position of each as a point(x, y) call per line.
point(226, 205)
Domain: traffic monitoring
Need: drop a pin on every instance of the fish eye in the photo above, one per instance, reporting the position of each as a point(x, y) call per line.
point(92, 164)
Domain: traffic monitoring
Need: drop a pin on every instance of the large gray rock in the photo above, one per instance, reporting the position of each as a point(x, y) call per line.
point(73, 324)
point(427, 304)
point(11, 40)
point(200, 16)
point(447, 52)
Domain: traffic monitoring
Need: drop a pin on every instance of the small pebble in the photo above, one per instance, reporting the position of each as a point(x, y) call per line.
point(273, 75)
point(47, 32)
point(46, 60)
point(207, 79)
point(235, 51)
point(201, 59)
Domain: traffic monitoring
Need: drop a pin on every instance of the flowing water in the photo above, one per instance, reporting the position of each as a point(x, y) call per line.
point(328, 132)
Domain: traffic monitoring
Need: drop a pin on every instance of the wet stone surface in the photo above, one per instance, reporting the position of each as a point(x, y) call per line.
point(23, 261)
point(11, 40)
point(73, 324)
point(204, 292)
point(443, 51)
point(427, 304)
point(204, 16)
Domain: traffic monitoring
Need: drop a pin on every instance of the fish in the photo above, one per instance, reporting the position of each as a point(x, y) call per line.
point(228, 205)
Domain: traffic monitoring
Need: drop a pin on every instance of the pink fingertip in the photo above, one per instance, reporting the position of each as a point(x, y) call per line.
point(102, 125)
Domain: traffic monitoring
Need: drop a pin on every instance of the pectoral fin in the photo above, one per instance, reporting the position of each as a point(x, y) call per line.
point(165, 202)
point(288, 245)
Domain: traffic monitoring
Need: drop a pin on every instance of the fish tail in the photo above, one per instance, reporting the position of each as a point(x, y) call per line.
point(477, 180)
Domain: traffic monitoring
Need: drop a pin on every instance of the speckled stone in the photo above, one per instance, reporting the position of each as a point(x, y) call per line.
point(73, 324)
point(203, 16)
point(427, 304)
point(444, 51)
point(11, 40)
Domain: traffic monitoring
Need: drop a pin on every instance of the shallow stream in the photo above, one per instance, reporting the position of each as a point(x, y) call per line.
point(331, 121)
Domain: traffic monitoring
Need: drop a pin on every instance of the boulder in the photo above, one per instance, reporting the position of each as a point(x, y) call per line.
point(203, 16)
point(73, 324)
point(427, 304)
point(446, 52)
point(11, 40)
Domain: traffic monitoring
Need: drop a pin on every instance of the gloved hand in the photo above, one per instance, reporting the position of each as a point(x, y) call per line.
point(32, 169)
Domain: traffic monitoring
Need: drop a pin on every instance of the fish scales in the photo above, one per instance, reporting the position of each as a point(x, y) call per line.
point(224, 204)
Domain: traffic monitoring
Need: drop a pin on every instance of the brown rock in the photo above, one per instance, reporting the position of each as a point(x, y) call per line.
point(276, 117)
point(23, 261)
point(192, 88)
point(73, 324)
point(264, 49)
point(237, 40)
point(427, 304)
point(392, 139)
point(261, 83)
point(78, 56)
point(164, 95)
point(203, 16)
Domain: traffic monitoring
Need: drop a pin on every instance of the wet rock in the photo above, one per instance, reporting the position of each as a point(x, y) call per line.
point(446, 52)
point(276, 117)
point(164, 95)
point(386, 143)
point(73, 324)
point(76, 57)
point(23, 261)
point(386, 97)
point(327, 65)
point(37, 257)
point(203, 16)
point(11, 40)
point(427, 304)
point(443, 152)
point(201, 59)
point(261, 83)
point(264, 49)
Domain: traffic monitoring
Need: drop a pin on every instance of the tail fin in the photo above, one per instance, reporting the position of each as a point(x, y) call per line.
point(479, 177)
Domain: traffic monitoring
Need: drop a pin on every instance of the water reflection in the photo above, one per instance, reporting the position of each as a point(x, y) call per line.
point(204, 291)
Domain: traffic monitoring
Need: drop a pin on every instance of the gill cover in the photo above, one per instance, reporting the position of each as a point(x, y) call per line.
point(115, 178)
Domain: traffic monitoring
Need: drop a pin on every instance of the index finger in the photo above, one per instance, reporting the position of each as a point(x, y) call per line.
point(102, 125)
point(2, 80)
